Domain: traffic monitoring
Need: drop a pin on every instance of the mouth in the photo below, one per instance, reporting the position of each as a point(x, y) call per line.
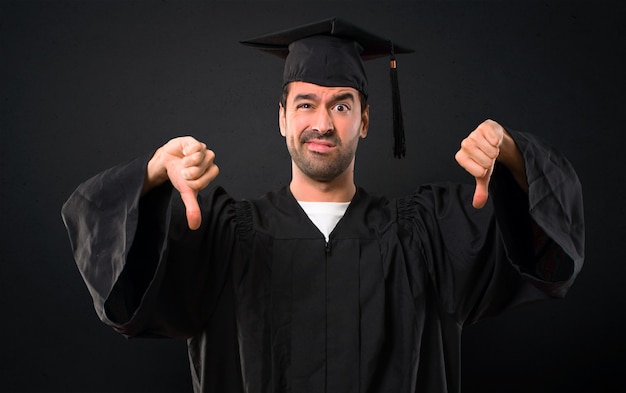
point(319, 145)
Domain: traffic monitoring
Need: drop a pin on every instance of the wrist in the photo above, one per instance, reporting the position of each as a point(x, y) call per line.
point(156, 172)
point(511, 157)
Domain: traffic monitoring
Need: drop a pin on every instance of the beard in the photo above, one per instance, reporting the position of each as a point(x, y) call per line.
point(322, 167)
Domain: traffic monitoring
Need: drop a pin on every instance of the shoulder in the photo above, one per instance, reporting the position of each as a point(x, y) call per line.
point(438, 200)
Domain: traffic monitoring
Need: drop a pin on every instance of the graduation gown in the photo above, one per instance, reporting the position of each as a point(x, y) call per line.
point(267, 305)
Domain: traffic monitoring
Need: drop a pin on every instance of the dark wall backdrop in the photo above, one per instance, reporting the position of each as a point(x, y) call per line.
point(87, 85)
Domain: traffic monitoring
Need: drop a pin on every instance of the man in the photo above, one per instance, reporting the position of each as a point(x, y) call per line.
point(321, 287)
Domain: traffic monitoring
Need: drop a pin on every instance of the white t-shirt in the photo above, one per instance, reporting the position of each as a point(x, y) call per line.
point(325, 215)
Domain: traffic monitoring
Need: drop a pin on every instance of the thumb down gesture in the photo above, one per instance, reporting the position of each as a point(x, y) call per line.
point(189, 166)
point(478, 154)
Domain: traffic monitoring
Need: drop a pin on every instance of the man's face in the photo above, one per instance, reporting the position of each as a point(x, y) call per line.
point(322, 127)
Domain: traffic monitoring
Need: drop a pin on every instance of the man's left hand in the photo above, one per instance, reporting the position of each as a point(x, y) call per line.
point(478, 155)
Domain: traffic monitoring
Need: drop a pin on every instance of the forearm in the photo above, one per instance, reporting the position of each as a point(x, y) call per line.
point(156, 173)
point(555, 208)
point(511, 157)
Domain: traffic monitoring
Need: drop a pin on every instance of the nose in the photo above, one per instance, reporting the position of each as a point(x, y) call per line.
point(323, 122)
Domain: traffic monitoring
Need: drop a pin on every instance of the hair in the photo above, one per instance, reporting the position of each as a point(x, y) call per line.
point(283, 98)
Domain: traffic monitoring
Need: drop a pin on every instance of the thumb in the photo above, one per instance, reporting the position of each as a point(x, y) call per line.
point(481, 194)
point(190, 200)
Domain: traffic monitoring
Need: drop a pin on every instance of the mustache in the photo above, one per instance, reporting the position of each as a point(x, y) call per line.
point(309, 135)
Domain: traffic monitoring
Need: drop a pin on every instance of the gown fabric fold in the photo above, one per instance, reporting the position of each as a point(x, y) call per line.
point(267, 305)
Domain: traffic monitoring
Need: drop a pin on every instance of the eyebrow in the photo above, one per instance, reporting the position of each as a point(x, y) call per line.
point(344, 97)
point(335, 98)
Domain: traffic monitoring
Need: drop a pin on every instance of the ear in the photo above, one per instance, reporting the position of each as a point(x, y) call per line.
point(365, 121)
point(281, 119)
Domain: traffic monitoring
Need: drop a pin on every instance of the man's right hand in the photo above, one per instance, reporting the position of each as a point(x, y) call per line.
point(189, 166)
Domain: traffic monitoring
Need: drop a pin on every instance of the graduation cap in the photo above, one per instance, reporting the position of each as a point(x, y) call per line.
point(331, 53)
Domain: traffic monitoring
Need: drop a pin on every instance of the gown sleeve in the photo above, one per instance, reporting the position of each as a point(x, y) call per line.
point(147, 273)
point(520, 248)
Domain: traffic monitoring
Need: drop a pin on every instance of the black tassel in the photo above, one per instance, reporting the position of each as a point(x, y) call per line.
point(399, 146)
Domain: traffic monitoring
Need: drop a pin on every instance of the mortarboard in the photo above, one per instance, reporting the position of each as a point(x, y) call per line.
point(331, 53)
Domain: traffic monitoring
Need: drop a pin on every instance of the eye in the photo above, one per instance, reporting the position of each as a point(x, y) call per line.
point(342, 108)
point(304, 105)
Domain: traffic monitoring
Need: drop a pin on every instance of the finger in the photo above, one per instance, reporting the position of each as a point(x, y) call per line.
point(482, 176)
point(496, 129)
point(489, 137)
point(203, 181)
point(196, 165)
point(481, 194)
point(202, 158)
point(210, 174)
point(192, 209)
point(192, 173)
point(479, 145)
point(469, 156)
point(196, 159)
point(474, 168)
point(191, 146)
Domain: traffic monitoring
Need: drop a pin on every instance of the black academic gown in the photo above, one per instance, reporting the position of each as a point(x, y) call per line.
point(268, 305)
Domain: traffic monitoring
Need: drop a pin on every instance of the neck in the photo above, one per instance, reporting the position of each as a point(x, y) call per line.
point(340, 189)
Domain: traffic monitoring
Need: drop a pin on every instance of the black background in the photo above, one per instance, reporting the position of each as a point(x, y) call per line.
point(87, 85)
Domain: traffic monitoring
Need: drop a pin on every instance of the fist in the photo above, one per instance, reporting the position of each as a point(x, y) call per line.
point(190, 167)
point(478, 154)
